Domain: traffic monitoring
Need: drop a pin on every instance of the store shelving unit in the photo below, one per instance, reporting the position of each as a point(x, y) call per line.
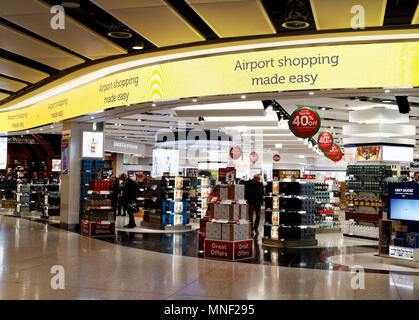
point(289, 215)
point(328, 212)
point(366, 199)
point(167, 203)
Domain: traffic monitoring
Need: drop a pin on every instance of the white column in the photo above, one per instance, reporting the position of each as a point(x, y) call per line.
point(70, 183)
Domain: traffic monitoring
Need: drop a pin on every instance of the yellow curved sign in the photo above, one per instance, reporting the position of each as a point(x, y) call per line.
point(341, 66)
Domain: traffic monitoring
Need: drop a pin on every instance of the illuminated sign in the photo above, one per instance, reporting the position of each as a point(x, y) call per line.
point(304, 68)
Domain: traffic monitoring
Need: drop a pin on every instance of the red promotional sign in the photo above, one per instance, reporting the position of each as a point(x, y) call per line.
point(339, 157)
point(325, 141)
point(243, 249)
point(276, 157)
point(253, 157)
point(309, 176)
point(235, 152)
point(334, 152)
point(304, 122)
point(218, 249)
point(228, 250)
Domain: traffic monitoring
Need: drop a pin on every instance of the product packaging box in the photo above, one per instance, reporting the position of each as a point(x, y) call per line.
point(213, 230)
point(236, 232)
point(236, 192)
point(230, 212)
point(401, 234)
point(399, 242)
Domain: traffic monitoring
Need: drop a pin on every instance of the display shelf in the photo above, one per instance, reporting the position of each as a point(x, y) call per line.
point(360, 237)
point(288, 243)
point(289, 214)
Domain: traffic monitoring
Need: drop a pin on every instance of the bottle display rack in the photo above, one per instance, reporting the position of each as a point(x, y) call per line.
point(366, 198)
point(290, 209)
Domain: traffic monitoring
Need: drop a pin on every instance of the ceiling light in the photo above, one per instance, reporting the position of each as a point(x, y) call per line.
point(323, 109)
point(296, 15)
point(52, 127)
point(387, 101)
point(332, 128)
point(72, 4)
point(243, 96)
point(42, 129)
point(27, 131)
point(301, 156)
point(153, 105)
point(194, 100)
point(386, 91)
point(278, 145)
point(139, 120)
point(92, 118)
point(120, 34)
point(138, 44)
point(311, 93)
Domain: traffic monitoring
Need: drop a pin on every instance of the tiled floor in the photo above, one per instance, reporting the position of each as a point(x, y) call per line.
point(96, 269)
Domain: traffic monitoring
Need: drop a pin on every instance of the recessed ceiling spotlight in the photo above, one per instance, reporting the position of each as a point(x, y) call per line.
point(296, 15)
point(72, 4)
point(387, 101)
point(138, 44)
point(386, 91)
point(27, 131)
point(311, 93)
point(120, 34)
point(52, 127)
point(153, 105)
point(243, 96)
point(194, 100)
point(92, 118)
point(42, 129)
point(139, 120)
point(332, 128)
point(323, 109)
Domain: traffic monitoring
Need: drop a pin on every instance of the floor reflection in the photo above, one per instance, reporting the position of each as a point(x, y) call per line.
point(186, 244)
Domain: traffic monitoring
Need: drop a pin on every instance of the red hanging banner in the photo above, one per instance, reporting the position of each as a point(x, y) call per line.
point(333, 152)
point(304, 122)
point(254, 157)
point(325, 141)
point(339, 157)
point(235, 152)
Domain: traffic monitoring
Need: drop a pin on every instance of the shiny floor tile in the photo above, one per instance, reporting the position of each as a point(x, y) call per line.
point(97, 269)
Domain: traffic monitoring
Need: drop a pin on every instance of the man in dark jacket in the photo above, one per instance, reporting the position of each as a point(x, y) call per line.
point(130, 197)
point(254, 197)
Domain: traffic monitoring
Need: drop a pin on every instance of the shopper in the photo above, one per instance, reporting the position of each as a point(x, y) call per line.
point(120, 202)
point(115, 195)
point(254, 197)
point(416, 177)
point(130, 197)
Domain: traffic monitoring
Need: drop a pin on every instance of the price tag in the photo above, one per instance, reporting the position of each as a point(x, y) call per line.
point(325, 141)
point(304, 122)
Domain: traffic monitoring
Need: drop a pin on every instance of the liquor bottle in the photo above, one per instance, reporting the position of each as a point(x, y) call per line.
point(93, 146)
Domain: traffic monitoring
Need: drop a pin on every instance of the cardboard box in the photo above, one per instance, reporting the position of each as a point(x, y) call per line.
point(236, 192)
point(213, 231)
point(236, 232)
point(230, 212)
